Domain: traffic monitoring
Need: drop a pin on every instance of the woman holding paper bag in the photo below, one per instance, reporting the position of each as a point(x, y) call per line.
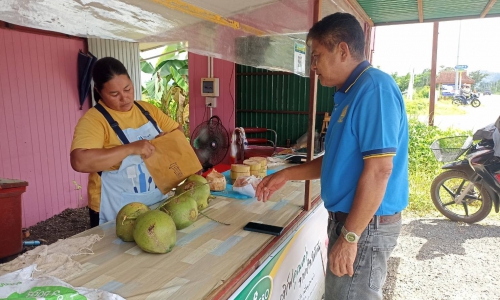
point(112, 139)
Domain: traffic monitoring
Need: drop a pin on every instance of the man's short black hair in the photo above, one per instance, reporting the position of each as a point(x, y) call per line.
point(336, 28)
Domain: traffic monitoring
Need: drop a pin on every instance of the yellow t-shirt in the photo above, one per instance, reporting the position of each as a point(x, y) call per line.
point(94, 132)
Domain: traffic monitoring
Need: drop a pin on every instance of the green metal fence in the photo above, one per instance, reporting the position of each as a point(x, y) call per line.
point(279, 101)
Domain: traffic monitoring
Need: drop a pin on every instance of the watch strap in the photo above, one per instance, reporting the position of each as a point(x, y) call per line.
point(350, 237)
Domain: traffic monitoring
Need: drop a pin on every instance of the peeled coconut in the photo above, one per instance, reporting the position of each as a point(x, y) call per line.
point(125, 220)
point(182, 209)
point(199, 191)
point(216, 181)
point(154, 232)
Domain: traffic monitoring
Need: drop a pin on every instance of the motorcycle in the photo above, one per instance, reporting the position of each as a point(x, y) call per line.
point(473, 100)
point(470, 184)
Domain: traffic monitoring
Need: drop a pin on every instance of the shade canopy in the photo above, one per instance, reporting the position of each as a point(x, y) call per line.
point(259, 33)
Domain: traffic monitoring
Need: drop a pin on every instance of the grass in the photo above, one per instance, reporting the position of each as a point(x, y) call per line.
point(420, 106)
point(423, 166)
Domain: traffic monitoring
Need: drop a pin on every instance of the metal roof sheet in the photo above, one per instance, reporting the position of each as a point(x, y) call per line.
point(383, 12)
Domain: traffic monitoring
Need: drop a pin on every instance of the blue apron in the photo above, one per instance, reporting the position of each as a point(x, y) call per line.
point(132, 182)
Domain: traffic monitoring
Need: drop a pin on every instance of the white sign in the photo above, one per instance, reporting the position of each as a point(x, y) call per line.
point(299, 58)
point(296, 270)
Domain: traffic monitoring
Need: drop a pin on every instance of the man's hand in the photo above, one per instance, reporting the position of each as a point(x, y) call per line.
point(270, 184)
point(143, 148)
point(342, 256)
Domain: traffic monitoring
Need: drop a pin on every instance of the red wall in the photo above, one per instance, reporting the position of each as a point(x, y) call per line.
point(38, 111)
point(225, 71)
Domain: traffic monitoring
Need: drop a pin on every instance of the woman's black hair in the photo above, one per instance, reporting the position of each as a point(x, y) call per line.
point(103, 71)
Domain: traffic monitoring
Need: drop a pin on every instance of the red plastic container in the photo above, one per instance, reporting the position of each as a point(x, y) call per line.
point(11, 240)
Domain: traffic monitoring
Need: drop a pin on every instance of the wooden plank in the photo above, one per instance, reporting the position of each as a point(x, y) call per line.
point(432, 92)
point(6, 167)
point(206, 256)
point(420, 11)
point(31, 167)
point(313, 92)
point(38, 112)
point(487, 8)
point(21, 122)
point(39, 141)
point(207, 15)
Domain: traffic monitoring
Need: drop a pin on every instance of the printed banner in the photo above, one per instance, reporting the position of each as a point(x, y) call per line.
point(296, 270)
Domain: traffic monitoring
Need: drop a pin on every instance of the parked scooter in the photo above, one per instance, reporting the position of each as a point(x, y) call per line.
point(469, 187)
point(473, 100)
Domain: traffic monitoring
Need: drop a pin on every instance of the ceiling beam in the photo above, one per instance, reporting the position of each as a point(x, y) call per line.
point(420, 11)
point(357, 8)
point(200, 13)
point(487, 8)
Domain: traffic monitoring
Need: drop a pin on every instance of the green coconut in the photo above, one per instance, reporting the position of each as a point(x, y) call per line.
point(182, 209)
point(198, 178)
point(199, 191)
point(125, 220)
point(154, 232)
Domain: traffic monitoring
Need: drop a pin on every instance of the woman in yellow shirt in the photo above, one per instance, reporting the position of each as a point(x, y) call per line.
point(111, 140)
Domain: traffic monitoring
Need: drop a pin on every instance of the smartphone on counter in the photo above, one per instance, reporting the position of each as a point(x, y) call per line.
point(263, 228)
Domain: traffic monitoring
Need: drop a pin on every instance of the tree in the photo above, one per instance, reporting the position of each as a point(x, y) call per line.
point(443, 68)
point(168, 88)
point(401, 81)
point(478, 76)
point(423, 79)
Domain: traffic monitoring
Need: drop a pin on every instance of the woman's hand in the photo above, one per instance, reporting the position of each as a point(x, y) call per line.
point(143, 148)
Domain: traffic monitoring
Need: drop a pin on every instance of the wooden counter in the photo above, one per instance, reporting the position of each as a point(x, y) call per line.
point(206, 257)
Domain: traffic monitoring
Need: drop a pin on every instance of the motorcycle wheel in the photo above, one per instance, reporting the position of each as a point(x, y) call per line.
point(474, 207)
point(475, 103)
point(456, 101)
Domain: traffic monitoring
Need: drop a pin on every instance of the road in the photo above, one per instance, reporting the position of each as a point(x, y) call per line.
point(475, 118)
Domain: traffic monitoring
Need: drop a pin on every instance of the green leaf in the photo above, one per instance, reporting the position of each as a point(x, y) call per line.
point(183, 70)
point(179, 79)
point(164, 67)
point(172, 55)
point(147, 67)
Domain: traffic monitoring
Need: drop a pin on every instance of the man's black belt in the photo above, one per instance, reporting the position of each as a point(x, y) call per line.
point(387, 219)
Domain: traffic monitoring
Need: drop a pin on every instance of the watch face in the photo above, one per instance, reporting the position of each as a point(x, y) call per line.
point(350, 237)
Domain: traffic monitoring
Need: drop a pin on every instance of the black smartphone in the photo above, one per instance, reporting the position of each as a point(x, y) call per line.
point(263, 228)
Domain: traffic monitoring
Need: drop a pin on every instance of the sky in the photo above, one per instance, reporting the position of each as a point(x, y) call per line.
point(399, 48)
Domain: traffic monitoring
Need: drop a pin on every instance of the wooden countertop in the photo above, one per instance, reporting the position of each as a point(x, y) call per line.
point(206, 256)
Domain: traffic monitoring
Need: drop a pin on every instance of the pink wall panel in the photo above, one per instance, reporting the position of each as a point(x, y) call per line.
point(224, 70)
point(38, 111)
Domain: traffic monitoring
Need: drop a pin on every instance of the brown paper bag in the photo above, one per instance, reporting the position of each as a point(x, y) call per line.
point(172, 161)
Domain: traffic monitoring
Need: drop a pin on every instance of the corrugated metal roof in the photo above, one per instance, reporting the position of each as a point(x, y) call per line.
point(406, 11)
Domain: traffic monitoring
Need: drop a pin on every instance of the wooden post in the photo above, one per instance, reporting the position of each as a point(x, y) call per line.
point(432, 92)
point(313, 89)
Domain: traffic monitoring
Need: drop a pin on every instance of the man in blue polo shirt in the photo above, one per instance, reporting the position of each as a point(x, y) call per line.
point(364, 172)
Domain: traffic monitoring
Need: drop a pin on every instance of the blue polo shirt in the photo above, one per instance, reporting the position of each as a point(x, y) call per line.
point(369, 120)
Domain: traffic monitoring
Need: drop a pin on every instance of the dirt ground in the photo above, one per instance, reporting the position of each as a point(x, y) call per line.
point(68, 223)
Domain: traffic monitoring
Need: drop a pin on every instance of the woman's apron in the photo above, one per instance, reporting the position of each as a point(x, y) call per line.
point(132, 181)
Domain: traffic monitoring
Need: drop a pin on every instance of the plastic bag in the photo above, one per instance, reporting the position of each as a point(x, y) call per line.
point(21, 285)
point(246, 185)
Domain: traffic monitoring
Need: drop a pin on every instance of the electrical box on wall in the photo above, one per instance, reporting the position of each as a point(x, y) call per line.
point(210, 87)
point(211, 102)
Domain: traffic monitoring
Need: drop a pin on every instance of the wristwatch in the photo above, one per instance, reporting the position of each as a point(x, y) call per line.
point(349, 236)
